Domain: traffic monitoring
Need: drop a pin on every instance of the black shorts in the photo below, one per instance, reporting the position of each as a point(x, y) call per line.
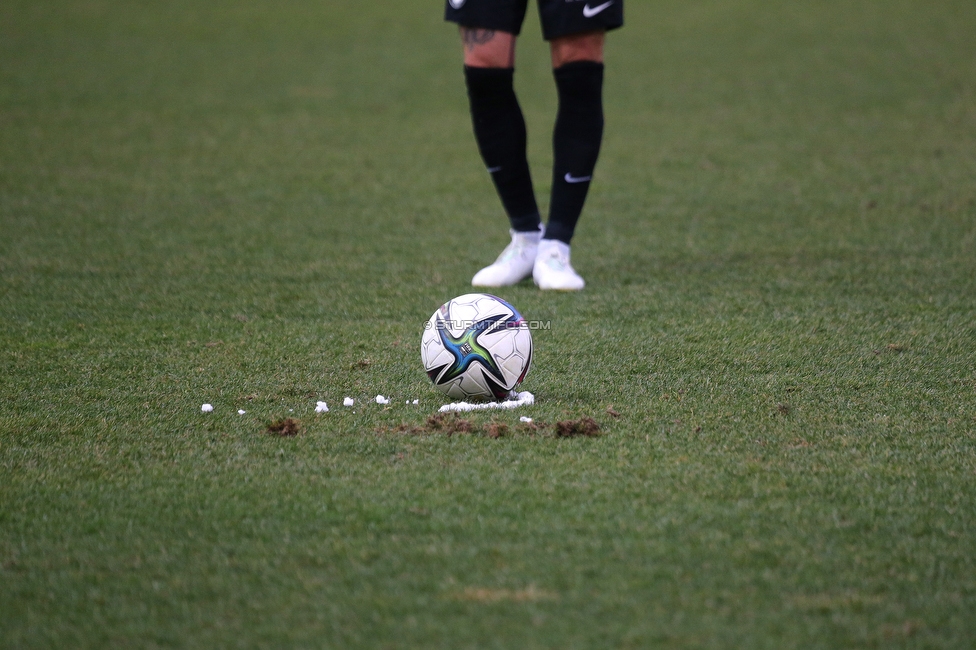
point(558, 17)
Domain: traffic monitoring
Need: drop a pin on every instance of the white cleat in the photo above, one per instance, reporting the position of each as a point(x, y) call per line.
point(552, 269)
point(514, 264)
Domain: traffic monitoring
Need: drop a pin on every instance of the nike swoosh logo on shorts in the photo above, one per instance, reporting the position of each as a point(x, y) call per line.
point(569, 178)
point(589, 12)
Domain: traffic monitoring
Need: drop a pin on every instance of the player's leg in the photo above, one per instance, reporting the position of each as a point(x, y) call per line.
point(499, 127)
point(489, 30)
point(578, 69)
point(576, 32)
point(487, 48)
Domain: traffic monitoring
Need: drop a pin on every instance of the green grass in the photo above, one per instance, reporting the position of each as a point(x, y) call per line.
point(258, 205)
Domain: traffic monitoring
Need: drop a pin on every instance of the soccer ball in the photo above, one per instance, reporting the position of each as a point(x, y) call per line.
point(476, 347)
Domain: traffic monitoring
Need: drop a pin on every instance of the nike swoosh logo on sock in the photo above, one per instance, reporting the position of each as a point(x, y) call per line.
point(589, 12)
point(569, 178)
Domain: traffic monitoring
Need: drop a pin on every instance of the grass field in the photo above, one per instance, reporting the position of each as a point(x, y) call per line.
point(258, 205)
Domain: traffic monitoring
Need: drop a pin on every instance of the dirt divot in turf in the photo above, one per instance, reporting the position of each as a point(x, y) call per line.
point(450, 424)
point(285, 428)
point(437, 423)
point(496, 430)
point(585, 426)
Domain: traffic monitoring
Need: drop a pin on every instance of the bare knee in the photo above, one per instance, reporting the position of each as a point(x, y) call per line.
point(488, 48)
point(587, 46)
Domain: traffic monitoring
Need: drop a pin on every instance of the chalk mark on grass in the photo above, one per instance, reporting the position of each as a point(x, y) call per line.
point(486, 595)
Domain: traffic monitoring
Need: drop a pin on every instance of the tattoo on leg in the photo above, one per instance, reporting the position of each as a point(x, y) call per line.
point(472, 37)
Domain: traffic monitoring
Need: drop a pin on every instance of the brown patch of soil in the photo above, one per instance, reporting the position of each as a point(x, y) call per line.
point(449, 424)
point(496, 430)
point(285, 428)
point(585, 426)
point(452, 423)
point(437, 423)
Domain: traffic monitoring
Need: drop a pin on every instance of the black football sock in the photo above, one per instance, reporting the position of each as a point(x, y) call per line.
point(499, 129)
point(576, 144)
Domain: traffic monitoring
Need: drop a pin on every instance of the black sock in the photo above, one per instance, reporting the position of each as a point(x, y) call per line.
point(576, 144)
point(499, 129)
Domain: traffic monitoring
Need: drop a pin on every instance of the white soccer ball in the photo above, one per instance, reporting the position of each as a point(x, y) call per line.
point(476, 347)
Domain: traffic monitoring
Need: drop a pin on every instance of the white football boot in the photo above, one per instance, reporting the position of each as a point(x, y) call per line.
point(514, 264)
point(552, 269)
